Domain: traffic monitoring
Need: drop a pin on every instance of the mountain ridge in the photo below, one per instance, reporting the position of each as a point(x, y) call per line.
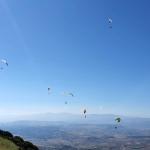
point(62, 118)
point(10, 142)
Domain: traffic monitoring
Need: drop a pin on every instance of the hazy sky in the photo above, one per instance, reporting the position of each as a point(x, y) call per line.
point(67, 45)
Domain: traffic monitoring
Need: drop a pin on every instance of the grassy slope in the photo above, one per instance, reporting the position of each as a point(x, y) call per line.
point(7, 145)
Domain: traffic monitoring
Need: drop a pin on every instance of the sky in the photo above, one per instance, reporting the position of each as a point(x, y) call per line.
point(69, 46)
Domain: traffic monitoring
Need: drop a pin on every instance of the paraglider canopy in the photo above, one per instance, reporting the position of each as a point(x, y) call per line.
point(67, 93)
point(2, 63)
point(84, 112)
point(48, 90)
point(117, 119)
point(109, 20)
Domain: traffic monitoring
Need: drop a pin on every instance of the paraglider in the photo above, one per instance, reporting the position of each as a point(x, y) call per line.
point(118, 120)
point(2, 62)
point(48, 90)
point(110, 21)
point(67, 93)
point(84, 112)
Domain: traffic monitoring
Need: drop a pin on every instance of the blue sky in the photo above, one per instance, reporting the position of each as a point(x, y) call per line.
point(68, 46)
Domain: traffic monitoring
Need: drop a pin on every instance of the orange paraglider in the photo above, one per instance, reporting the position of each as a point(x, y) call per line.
point(85, 112)
point(49, 90)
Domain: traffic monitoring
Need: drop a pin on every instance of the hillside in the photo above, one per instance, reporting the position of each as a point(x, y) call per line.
point(10, 142)
point(7, 145)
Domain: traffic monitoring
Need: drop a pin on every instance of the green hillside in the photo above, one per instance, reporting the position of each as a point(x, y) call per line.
point(7, 145)
point(10, 142)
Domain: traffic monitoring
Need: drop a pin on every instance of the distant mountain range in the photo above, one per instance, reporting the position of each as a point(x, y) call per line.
point(76, 118)
point(72, 131)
